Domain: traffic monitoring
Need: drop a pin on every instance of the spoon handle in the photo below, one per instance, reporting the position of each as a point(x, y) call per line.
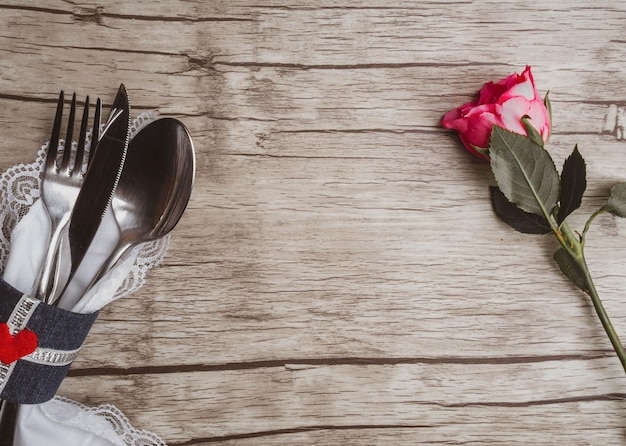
point(116, 257)
point(112, 261)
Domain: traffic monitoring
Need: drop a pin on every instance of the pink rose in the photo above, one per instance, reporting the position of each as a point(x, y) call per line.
point(503, 104)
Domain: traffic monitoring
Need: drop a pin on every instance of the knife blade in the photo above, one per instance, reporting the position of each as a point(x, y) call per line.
point(103, 173)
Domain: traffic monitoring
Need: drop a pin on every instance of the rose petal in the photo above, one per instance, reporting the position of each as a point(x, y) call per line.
point(454, 120)
point(490, 93)
point(540, 118)
point(479, 127)
point(524, 89)
point(511, 113)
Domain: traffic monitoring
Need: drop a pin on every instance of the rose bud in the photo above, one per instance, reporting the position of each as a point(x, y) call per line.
point(504, 104)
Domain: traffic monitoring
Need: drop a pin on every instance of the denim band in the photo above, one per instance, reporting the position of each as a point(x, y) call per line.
point(35, 377)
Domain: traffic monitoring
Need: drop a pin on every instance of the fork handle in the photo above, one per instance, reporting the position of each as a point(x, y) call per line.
point(62, 271)
point(44, 284)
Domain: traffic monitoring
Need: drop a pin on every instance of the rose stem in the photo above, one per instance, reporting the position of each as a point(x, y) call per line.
point(575, 247)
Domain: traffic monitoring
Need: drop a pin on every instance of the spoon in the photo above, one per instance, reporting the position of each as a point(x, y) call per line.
point(153, 189)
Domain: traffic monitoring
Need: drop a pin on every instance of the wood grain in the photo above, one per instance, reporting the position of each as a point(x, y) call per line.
point(339, 276)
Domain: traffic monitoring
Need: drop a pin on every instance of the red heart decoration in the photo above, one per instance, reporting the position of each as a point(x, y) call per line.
point(15, 347)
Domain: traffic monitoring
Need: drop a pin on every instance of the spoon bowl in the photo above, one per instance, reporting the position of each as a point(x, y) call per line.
point(154, 187)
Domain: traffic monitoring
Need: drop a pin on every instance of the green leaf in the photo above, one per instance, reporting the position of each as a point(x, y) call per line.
point(570, 268)
point(524, 171)
point(573, 185)
point(548, 104)
point(532, 132)
point(616, 204)
point(513, 216)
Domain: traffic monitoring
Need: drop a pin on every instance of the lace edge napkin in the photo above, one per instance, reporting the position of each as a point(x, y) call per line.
point(19, 190)
point(127, 435)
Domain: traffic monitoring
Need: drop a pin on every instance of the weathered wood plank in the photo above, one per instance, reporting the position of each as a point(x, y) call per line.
point(360, 261)
point(475, 403)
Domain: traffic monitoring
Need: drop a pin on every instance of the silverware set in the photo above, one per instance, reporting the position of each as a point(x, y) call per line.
point(98, 187)
point(146, 182)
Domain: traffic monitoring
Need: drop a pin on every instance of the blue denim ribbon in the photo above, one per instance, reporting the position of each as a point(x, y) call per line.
point(35, 378)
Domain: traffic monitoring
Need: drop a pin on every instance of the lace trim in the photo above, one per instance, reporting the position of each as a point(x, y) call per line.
point(127, 434)
point(19, 189)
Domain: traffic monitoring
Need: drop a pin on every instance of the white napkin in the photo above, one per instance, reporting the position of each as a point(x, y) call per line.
point(27, 253)
point(61, 422)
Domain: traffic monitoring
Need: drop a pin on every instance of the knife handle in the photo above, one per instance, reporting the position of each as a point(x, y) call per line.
point(8, 422)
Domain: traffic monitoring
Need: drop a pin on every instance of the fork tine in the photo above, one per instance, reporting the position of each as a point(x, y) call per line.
point(80, 149)
point(67, 151)
point(56, 131)
point(95, 133)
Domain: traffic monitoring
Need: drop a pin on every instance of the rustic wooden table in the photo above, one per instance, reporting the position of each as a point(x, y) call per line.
point(339, 277)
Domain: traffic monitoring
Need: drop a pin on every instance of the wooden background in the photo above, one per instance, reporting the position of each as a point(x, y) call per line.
point(339, 277)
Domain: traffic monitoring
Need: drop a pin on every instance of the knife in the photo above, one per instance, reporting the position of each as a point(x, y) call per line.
point(97, 190)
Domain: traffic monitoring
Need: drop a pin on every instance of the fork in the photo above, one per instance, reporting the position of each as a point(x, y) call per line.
point(61, 182)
